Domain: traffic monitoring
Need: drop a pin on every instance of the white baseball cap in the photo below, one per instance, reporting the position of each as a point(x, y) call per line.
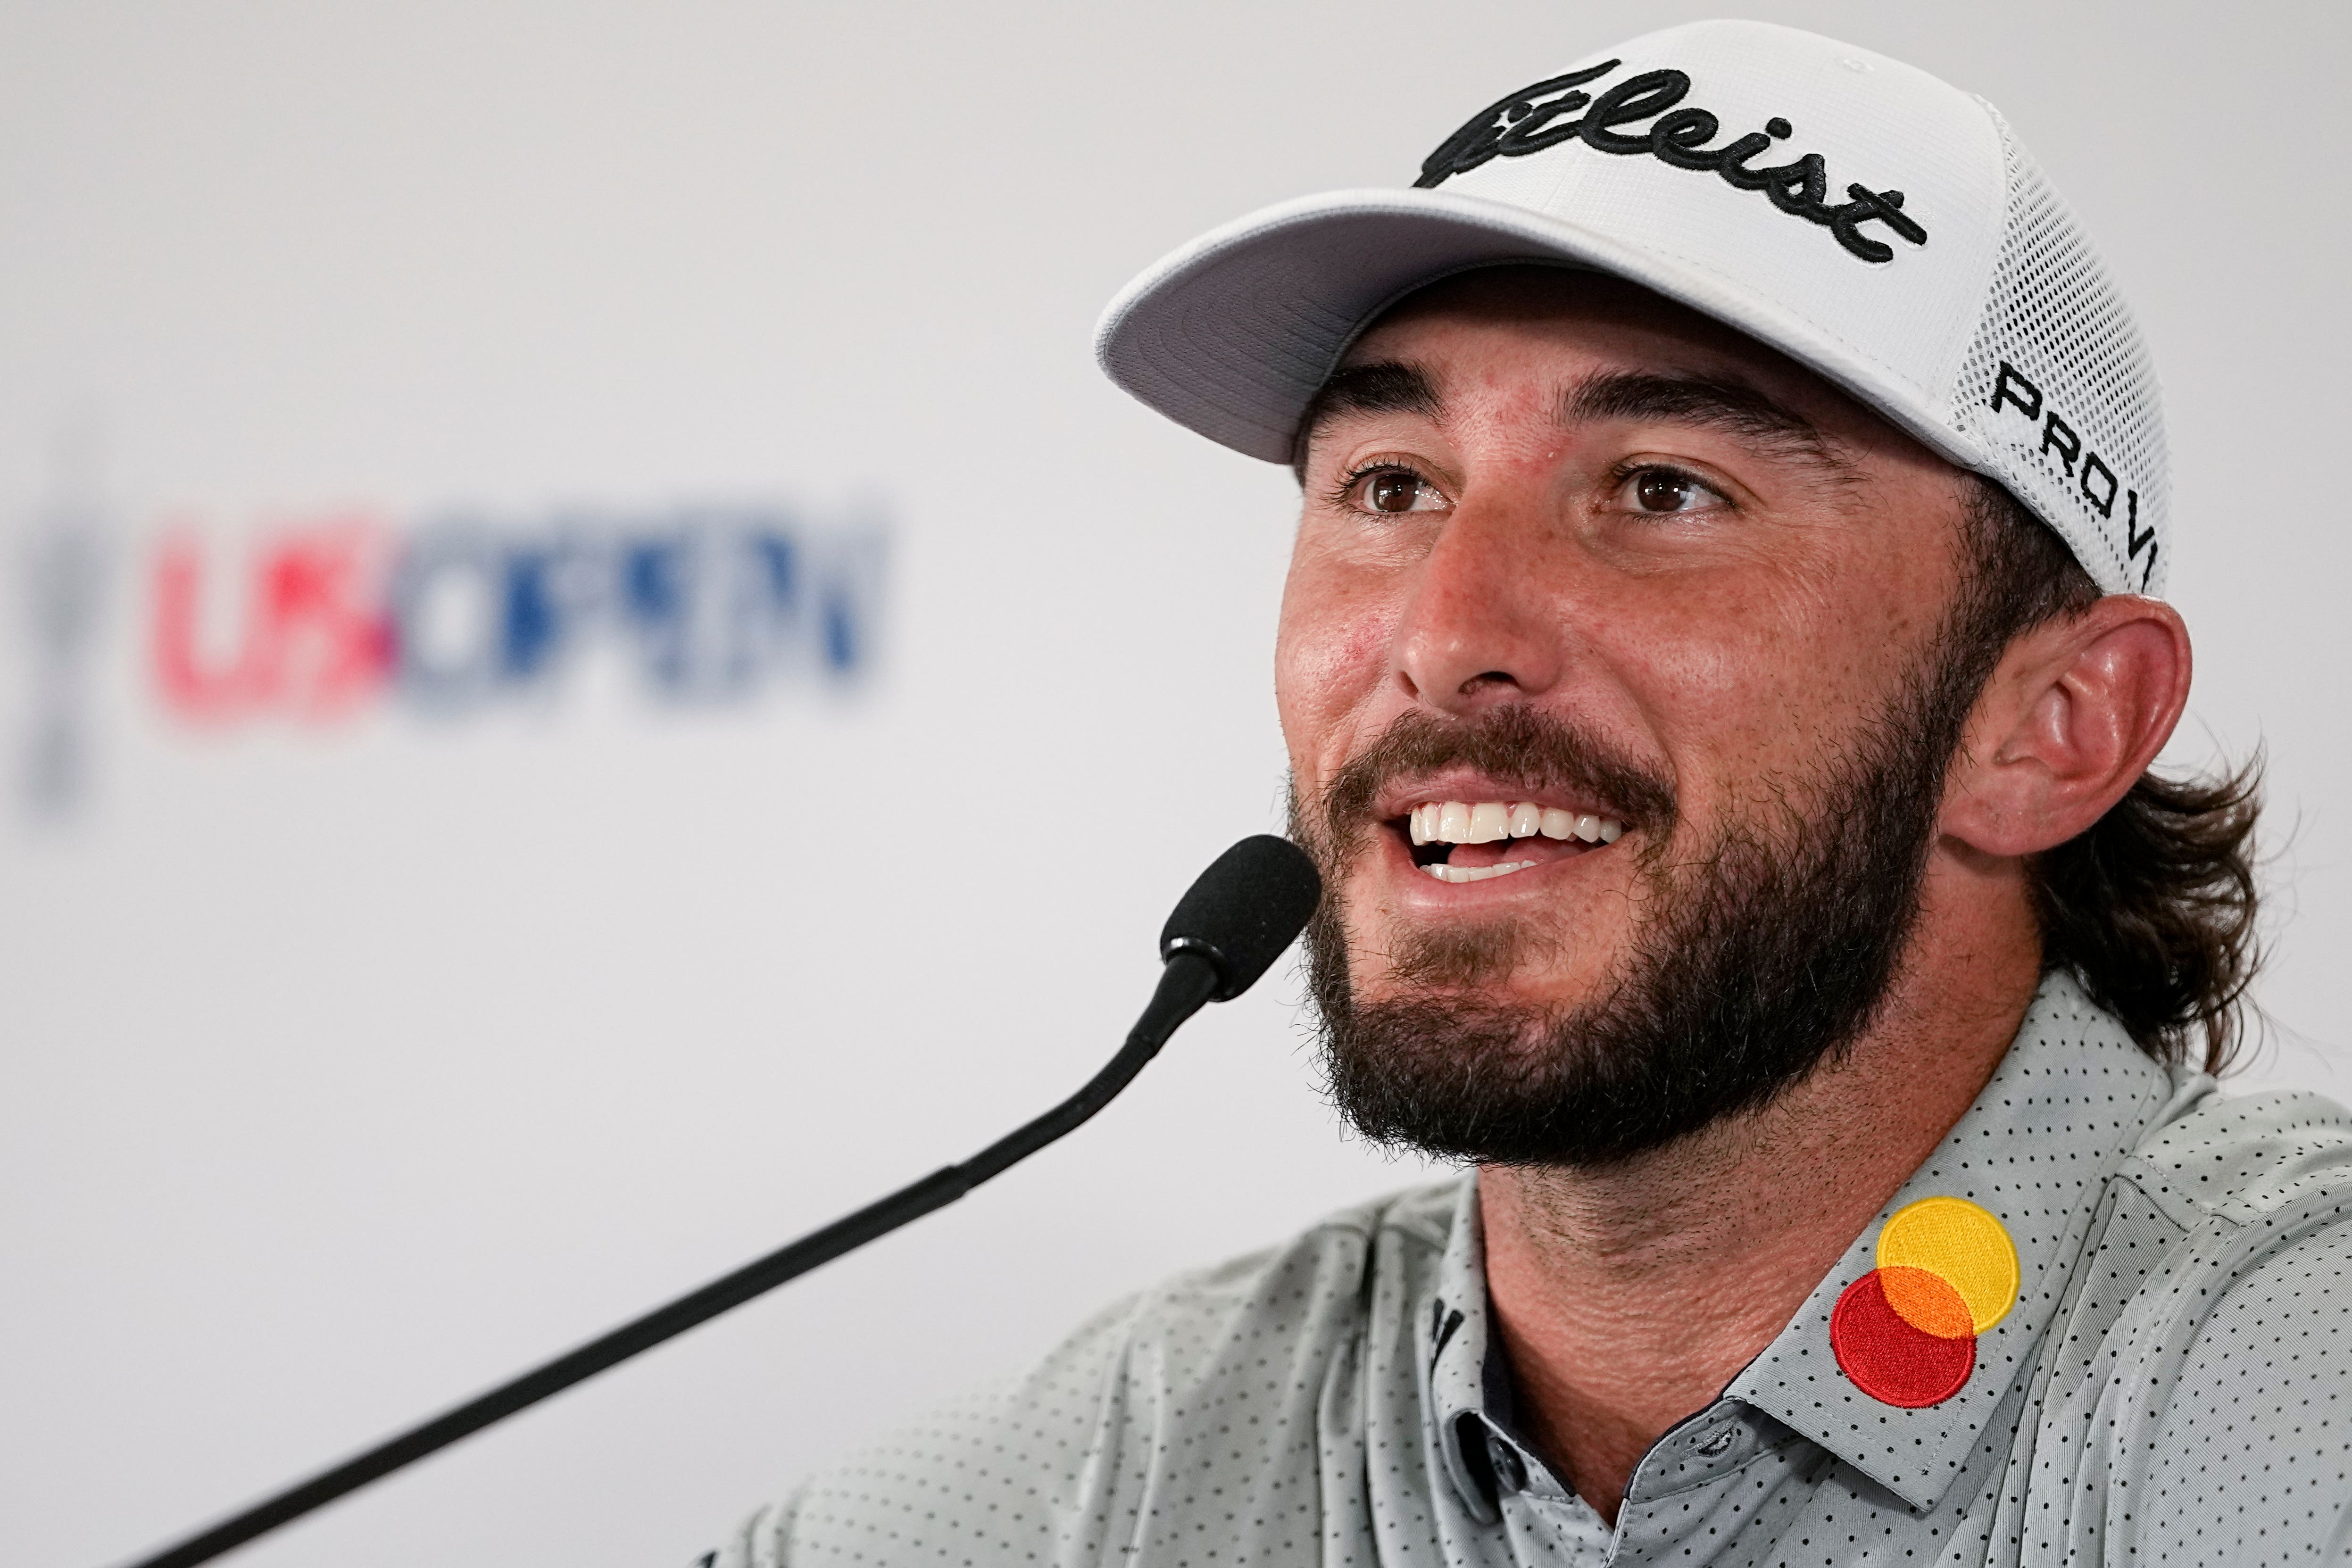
point(1855, 213)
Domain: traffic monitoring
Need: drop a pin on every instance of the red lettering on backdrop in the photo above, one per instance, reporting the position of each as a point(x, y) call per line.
point(316, 642)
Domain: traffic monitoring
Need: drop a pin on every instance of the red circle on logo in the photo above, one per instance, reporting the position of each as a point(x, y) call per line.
point(1890, 1360)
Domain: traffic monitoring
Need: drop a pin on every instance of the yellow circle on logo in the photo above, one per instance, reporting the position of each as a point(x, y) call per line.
point(1962, 1244)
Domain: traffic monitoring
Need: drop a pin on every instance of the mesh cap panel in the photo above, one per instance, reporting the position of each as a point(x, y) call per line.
point(2061, 393)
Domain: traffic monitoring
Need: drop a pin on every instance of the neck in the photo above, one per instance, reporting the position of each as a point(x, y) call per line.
point(1628, 1297)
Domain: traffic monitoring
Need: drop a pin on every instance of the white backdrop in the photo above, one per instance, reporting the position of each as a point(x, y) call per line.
point(352, 1065)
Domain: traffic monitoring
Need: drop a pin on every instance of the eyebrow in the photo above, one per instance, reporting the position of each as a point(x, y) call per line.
point(1721, 403)
point(1386, 386)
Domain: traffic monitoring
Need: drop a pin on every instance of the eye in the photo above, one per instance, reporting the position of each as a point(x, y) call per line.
point(1666, 492)
point(1394, 491)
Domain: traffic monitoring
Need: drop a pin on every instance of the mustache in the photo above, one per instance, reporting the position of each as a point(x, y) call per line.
point(1514, 743)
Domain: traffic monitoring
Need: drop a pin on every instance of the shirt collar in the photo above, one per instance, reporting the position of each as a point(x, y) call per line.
point(1469, 1385)
point(2069, 1101)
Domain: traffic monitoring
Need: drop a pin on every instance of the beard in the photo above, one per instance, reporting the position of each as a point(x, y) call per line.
point(1750, 962)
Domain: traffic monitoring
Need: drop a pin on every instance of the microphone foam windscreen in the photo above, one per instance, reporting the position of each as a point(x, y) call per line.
point(1251, 904)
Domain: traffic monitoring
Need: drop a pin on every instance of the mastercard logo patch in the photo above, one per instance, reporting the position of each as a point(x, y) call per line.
point(1905, 1332)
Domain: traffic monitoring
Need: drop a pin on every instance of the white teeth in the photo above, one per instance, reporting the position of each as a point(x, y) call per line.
point(1487, 822)
point(1475, 873)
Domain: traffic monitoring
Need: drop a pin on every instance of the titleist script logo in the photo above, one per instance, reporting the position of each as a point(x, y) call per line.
point(2095, 484)
point(1532, 119)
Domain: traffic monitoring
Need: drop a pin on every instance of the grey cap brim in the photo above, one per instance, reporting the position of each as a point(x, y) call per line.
point(1232, 335)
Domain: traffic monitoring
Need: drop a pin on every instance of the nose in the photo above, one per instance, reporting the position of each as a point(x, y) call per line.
point(1476, 630)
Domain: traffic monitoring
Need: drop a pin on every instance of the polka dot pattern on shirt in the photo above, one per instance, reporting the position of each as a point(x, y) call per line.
point(2173, 1386)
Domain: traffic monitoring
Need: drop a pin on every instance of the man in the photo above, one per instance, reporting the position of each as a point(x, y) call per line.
point(1721, 670)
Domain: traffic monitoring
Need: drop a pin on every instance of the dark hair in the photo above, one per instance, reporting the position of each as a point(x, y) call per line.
point(2153, 906)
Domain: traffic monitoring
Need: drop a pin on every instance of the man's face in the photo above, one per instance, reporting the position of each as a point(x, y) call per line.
point(1571, 556)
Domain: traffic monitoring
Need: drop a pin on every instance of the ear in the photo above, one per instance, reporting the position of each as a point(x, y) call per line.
point(2075, 712)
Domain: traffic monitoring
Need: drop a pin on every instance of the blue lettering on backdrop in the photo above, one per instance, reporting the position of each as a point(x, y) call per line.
point(709, 604)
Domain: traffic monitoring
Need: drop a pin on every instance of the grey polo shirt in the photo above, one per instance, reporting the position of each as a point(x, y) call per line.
point(2173, 1385)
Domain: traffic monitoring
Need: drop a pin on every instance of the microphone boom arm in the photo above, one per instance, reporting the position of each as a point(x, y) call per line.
point(1192, 979)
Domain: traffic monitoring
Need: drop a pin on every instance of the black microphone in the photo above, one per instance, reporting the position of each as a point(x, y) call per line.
point(1232, 924)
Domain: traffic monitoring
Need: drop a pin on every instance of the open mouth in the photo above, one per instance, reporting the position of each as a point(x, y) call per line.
point(1460, 840)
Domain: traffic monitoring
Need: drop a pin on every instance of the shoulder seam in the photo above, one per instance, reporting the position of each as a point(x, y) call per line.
point(2168, 1201)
